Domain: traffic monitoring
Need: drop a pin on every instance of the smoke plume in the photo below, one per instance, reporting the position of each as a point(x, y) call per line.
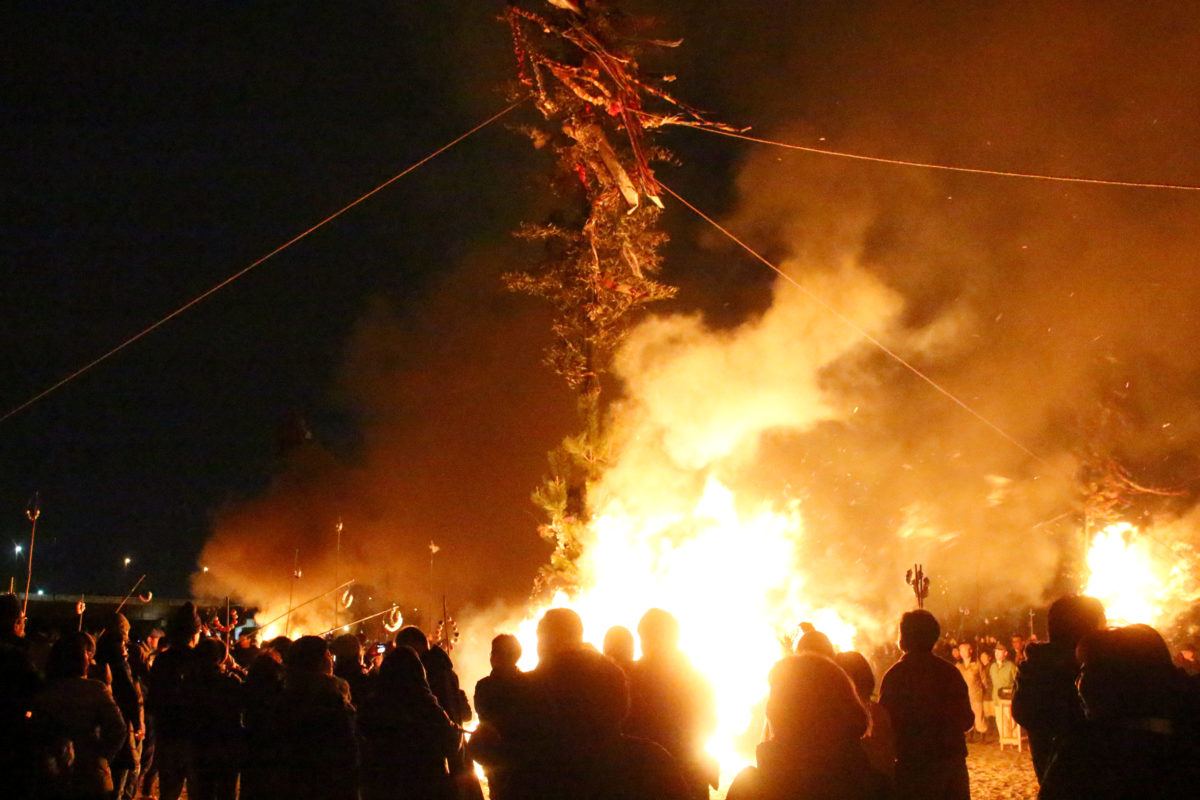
point(1057, 321)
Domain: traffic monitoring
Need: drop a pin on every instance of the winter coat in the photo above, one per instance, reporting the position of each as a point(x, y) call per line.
point(79, 729)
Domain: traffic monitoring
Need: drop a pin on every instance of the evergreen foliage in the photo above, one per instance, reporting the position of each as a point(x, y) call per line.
point(601, 252)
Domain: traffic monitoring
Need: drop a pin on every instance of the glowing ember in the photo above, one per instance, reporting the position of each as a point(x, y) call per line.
point(1124, 576)
point(727, 576)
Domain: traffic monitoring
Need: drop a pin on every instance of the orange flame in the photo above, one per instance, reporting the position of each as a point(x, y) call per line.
point(725, 574)
point(1125, 575)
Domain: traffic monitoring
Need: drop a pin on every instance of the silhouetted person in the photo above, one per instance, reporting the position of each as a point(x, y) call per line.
point(348, 665)
point(19, 681)
point(141, 658)
point(813, 641)
point(261, 697)
point(879, 743)
point(406, 736)
point(318, 755)
point(112, 652)
point(618, 645)
point(217, 735)
point(1045, 702)
point(500, 701)
point(444, 683)
point(816, 723)
point(77, 727)
point(281, 645)
point(169, 704)
point(927, 700)
point(671, 703)
point(247, 647)
point(575, 748)
point(538, 741)
point(1139, 740)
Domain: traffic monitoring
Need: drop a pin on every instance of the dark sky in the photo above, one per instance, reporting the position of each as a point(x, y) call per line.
point(150, 150)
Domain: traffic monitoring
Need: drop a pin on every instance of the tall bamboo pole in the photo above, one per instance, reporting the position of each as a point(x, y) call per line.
point(291, 608)
point(287, 626)
point(131, 591)
point(337, 566)
point(433, 548)
point(33, 512)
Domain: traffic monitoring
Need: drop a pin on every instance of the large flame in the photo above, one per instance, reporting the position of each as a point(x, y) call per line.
point(1130, 578)
point(730, 578)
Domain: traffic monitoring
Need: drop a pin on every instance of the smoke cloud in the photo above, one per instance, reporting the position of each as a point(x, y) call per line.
point(454, 423)
point(1062, 315)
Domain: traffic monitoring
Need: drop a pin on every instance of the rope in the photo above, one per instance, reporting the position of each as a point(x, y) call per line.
point(899, 359)
point(199, 298)
point(899, 162)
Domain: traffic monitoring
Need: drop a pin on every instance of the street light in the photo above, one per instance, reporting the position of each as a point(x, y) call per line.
point(127, 560)
point(17, 550)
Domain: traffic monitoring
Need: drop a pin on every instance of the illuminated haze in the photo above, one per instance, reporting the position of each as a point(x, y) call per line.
point(1066, 315)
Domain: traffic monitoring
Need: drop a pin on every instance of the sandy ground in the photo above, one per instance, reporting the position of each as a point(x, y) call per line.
point(995, 774)
point(1000, 774)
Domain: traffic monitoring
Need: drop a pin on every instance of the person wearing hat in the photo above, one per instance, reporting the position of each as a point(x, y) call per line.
point(1003, 675)
point(19, 682)
point(247, 647)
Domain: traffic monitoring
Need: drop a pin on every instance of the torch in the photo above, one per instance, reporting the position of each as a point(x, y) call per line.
point(32, 511)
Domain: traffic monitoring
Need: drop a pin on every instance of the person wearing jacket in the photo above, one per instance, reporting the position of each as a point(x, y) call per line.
point(77, 727)
point(930, 709)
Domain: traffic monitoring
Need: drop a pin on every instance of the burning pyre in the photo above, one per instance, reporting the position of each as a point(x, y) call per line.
point(1139, 577)
point(780, 470)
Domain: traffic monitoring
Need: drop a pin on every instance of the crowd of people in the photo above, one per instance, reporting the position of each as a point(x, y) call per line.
point(1108, 713)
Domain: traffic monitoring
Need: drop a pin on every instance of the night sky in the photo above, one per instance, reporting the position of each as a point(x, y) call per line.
point(152, 149)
